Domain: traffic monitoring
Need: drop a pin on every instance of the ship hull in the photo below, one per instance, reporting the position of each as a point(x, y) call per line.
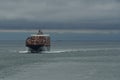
point(37, 48)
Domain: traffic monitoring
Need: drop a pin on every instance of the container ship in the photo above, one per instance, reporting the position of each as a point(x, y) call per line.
point(39, 42)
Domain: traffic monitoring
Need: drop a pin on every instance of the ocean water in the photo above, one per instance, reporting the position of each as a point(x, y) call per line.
point(67, 60)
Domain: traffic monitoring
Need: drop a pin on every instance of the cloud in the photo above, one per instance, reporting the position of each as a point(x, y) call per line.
point(61, 11)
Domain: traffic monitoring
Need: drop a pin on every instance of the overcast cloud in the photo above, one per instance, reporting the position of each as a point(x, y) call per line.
point(61, 11)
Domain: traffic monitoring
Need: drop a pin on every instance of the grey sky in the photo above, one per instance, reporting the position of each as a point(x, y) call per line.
point(60, 11)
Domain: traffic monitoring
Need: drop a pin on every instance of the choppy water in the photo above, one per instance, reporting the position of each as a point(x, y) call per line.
point(67, 60)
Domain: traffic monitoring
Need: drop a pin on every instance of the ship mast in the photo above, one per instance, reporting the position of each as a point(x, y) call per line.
point(39, 32)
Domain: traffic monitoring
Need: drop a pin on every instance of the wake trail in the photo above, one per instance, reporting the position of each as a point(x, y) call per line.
point(74, 50)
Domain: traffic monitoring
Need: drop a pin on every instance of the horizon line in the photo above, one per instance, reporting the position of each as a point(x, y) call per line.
point(62, 31)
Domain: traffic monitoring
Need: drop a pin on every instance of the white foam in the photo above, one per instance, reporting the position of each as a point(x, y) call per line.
point(53, 51)
point(60, 51)
point(23, 51)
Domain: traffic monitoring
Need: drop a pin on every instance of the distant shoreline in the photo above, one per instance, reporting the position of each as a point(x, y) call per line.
point(64, 31)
